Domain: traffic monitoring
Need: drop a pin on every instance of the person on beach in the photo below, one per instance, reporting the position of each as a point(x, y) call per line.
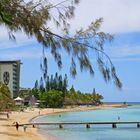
point(24, 128)
point(17, 126)
point(7, 116)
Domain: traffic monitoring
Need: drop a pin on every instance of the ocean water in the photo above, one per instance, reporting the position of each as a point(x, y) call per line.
point(96, 132)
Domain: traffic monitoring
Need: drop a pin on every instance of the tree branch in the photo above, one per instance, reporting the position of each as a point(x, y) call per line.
point(73, 40)
point(53, 6)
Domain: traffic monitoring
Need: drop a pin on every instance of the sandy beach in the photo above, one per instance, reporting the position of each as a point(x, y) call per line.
point(10, 133)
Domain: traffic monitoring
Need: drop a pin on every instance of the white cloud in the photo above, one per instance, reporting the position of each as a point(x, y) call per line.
point(123, 51)
point(20, 54)
point(6, 44)
point(21, 39)
point(119, 15)
point(24, 52)
point(3, 32)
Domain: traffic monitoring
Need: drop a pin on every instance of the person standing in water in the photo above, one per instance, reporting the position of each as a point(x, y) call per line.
point(118, 117)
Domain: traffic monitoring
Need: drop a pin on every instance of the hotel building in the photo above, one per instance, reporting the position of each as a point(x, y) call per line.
point(10, 75)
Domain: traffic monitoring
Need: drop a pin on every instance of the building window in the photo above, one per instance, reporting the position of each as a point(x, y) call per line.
point(6, 77)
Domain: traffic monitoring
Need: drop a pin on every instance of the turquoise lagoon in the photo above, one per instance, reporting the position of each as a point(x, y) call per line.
point(96, 132)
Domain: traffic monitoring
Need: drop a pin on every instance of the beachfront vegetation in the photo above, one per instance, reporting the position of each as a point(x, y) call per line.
point(6, 102)
point(55, 93)
point(52, 98)
point(78, 98)
point(33, 18)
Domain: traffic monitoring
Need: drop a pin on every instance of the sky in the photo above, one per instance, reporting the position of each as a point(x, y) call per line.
point(121, 18)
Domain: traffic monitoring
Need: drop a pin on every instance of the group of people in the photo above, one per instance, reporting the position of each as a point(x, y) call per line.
point(17, 124)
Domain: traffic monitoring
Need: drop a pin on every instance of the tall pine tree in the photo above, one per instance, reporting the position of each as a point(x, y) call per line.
point(48, 84)
point(41, 86)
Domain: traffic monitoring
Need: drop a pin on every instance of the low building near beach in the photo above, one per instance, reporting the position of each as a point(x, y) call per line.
point(19, 101)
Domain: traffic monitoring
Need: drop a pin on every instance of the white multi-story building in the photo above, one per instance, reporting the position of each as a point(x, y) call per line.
point(10, 75)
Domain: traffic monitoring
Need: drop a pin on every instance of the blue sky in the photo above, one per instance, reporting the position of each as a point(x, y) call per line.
point(121, 18)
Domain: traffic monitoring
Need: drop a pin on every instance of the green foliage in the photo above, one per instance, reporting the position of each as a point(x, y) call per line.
point(6, 102)
point(96, 98)
point(56, 93)
point(65, 84)
point(41, 86)
point(37, 89)
point(60, 83)
point(32, 18)
point(47, 84)
point(35, 92)
point(54, 98)
point(78, 98)
point(23, 92)
point(36, 85)
point(57, 83)
point(72, 90)
point(43, 100)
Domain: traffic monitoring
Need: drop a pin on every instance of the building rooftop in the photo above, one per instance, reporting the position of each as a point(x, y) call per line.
point(10, 61)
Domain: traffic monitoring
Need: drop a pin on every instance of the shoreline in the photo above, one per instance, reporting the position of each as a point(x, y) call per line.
point(10, 133)
point(79, 108)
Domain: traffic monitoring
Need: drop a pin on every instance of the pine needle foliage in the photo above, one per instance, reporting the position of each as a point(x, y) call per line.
point(32, 18)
